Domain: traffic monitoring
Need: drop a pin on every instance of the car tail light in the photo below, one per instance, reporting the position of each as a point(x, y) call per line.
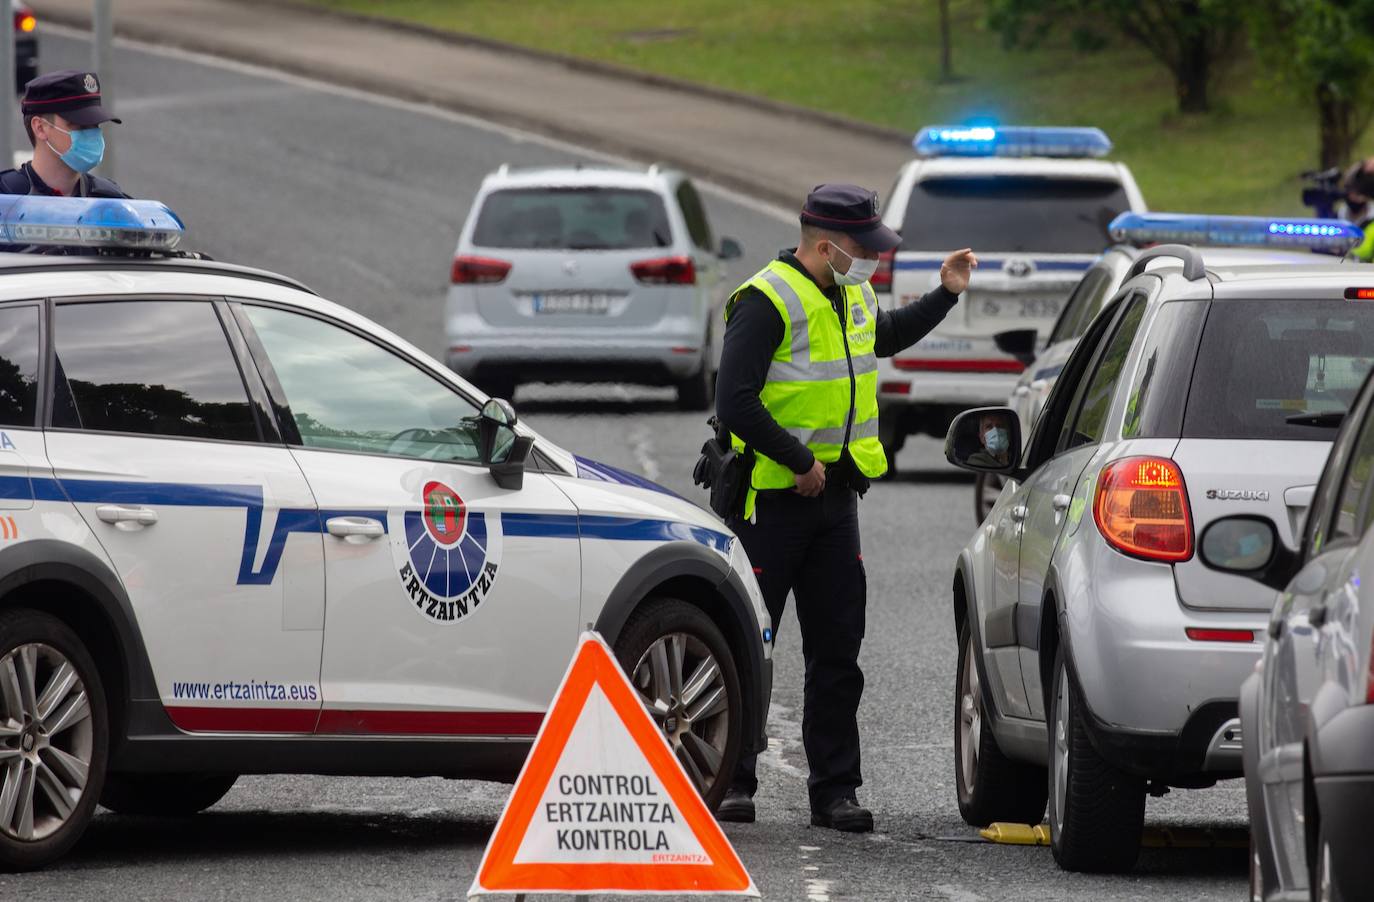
point(478, 270)
point(1142, 509)
point(958, 365)
point(665, 271)
point(882, 279)
point(24, 22)
point(895, 388)
point(1202, 634)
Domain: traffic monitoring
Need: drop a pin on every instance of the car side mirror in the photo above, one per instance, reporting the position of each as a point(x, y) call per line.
point(1019, 343)
point(1248, 546)
point(502, 450)
point(730, 249)
point(985, 440)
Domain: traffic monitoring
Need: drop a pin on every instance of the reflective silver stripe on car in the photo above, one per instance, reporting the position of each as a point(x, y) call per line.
point(796, 314)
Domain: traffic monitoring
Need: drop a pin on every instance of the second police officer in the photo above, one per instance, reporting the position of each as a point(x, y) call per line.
point(798, 385)
point(62, 117)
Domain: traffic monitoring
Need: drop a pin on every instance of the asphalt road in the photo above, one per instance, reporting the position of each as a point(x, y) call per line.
point(363, 201)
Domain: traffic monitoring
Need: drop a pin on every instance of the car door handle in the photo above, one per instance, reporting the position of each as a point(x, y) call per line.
point(1275, 629)
point(1061, 502)
point(1020, 391)
point(1018, 513)
point(126, 515)
point(350, 527)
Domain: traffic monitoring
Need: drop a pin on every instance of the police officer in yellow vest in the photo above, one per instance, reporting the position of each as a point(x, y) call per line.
point(798, 384)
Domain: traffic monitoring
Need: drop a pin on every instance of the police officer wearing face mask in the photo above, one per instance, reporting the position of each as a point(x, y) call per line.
point(62, 116)
point(798, 384)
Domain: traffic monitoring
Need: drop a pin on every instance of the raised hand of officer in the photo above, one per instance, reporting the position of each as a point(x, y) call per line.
point(812, 482)
point(957, 269)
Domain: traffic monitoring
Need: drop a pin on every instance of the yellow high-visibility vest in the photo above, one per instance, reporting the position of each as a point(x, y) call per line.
point(823, 380)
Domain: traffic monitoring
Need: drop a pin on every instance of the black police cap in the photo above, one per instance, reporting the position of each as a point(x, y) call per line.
point(852, 210)
point(70, 93)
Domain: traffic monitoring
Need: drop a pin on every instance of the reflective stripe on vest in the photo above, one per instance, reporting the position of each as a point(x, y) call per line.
point(808, 390)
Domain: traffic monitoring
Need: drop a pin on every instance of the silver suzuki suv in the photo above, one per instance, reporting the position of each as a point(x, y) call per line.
point(1099, 659)
point(587, 274)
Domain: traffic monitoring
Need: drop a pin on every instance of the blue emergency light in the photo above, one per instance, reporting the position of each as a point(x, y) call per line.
point(1235, 231)
point(94, 222)
point(1010, 141)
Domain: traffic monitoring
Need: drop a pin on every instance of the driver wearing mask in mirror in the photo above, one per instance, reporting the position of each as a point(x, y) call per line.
point(996, 441)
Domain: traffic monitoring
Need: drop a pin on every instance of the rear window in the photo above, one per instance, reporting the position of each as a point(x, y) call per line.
point(1263, 363)
point(572, 219)
point(1005, 214)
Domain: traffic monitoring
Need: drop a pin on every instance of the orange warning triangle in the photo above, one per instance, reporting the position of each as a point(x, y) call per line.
point(602, 805)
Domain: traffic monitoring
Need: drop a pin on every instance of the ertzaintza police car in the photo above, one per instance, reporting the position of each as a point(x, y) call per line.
point(245, 530)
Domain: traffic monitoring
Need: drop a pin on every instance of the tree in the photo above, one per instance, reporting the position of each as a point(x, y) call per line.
point(1190, 37)
point(946, 51)
point(1323, 50)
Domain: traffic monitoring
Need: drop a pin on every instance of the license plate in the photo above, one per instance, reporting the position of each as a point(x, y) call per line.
point(571, 302)
point(1017, 308)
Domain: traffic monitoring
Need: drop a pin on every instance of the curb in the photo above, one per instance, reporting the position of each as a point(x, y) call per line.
point(148, 32)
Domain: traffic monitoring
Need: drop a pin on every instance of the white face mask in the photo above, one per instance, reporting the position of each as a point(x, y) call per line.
point(860, 270)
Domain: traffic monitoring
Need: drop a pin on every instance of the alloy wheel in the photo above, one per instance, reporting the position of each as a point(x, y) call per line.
point(46, 741)
point(1060, 764)
point(682, 685)
point(970, 722)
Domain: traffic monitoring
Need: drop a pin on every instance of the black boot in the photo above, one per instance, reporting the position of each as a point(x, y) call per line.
point(737, 807)
point(843, 814)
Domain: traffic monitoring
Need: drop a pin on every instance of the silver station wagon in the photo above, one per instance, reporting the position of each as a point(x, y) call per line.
point(588, 274)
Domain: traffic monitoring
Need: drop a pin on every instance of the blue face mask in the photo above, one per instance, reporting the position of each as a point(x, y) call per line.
point(996, 440)
point(87, 150)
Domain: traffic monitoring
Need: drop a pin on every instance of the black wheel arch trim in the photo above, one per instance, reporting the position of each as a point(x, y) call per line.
point(49, 560)
point(684, 559)
point(1161, 755)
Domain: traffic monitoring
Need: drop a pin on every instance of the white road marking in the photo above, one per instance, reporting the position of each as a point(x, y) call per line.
point(784, 735)
point(956, 893)
point(818, 890)
point(424, 109)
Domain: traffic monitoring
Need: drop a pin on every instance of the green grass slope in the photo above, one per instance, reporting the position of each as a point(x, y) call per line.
point(878, 60)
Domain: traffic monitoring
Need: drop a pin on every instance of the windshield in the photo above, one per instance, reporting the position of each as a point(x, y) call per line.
point(1012, 214)
point(572, 219)
point(1270, 369)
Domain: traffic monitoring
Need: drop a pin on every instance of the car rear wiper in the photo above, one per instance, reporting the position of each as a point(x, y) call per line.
point(1327, 418)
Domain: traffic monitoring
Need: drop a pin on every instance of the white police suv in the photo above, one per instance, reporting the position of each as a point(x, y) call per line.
point(1035, 203)
point(245, 530)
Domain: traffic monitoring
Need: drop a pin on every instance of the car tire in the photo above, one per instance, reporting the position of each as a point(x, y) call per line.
point(164, 795)
point(697, 392)
point(61, 766)
point(991, 787)
point(986, 489)
point(706, 739)
point(1096, 811)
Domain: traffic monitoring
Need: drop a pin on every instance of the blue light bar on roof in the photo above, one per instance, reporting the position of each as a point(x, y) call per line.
point(1235, 231)
point(94, 222)
point(1010, 141)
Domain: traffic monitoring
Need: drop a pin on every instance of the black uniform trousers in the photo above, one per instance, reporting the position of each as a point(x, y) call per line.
point(810, 546)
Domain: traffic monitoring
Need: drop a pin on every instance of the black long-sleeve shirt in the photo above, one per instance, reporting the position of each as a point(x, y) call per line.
point(752, 335)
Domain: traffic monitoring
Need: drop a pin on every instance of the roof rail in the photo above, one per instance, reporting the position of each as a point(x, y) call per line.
point(503, 169)
point(1193, 267)
point(654, 169)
